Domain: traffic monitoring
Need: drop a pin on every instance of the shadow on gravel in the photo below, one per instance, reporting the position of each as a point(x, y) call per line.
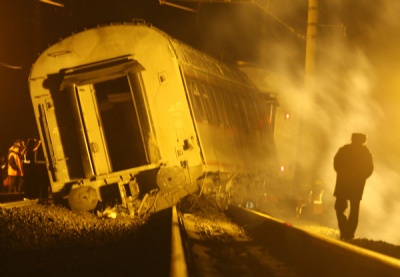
point(142, 250)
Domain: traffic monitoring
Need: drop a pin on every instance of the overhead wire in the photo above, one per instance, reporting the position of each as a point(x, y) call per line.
point(10, 66)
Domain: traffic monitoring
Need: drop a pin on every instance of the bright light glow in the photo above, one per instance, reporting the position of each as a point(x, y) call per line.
point(282, 168)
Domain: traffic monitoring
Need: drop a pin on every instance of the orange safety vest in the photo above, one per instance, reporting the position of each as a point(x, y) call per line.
point(14, 152)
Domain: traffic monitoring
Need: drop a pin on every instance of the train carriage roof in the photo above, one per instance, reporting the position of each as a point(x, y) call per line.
point(50, 60)
point(193, 58)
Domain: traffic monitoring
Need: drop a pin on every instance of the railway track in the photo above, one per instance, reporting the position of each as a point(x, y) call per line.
point(13, 200)
point(245, 243)
point(309, 254)
point(11, 197)
point(21, 203)
point(270, 247)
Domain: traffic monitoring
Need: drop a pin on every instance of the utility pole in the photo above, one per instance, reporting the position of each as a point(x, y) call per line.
point(312, 22)
point(306, 160)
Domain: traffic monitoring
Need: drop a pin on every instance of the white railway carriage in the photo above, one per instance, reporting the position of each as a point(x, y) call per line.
point(124, 110)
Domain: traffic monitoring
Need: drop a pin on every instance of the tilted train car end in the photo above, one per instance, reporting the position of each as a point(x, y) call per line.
point(128, 114)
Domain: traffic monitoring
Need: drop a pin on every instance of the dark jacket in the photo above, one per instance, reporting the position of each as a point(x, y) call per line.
point(353, 165)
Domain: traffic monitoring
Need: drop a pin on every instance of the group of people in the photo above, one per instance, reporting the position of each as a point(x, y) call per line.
point(20, 167)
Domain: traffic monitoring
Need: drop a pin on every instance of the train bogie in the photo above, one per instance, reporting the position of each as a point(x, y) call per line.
point(125, 111)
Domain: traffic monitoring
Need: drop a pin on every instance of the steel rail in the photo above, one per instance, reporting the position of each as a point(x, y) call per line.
point(178, 261)
point(17, 204)
point(311, 253)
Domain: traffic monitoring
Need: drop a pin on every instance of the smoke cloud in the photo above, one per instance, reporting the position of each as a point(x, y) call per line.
point(353, 89)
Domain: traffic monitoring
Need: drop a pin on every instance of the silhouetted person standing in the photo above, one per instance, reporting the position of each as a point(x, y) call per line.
point(353, 165)
point(31, 183)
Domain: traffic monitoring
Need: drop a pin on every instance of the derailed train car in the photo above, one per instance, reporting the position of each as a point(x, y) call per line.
point(127, 113)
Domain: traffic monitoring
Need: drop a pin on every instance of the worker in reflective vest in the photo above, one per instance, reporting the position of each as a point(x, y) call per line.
point(14, 169)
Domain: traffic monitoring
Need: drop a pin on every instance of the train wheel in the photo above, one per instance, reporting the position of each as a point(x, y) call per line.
point(83, 199)
point(171, 178)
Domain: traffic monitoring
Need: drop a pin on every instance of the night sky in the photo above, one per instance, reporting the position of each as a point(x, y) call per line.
point(356, 85)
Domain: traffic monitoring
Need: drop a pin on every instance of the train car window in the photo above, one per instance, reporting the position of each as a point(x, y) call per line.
point(214, 117)
point(246, 112)
point(237, 116)
point(252, 113)
point(270, 114)
point(199, 111)
point(260, 111)
point(208, 104)
point(219, 106)
point(266, 113)
point(220, 102)
point(227, 107)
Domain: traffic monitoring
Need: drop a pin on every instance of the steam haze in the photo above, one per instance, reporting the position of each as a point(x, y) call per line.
point(355, 88)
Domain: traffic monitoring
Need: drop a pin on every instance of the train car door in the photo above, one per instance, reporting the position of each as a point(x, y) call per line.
point(101, 121)
point(112, 129)
point(96, 121)
point(53, 132)
point(124, 135)
point(93, 129)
